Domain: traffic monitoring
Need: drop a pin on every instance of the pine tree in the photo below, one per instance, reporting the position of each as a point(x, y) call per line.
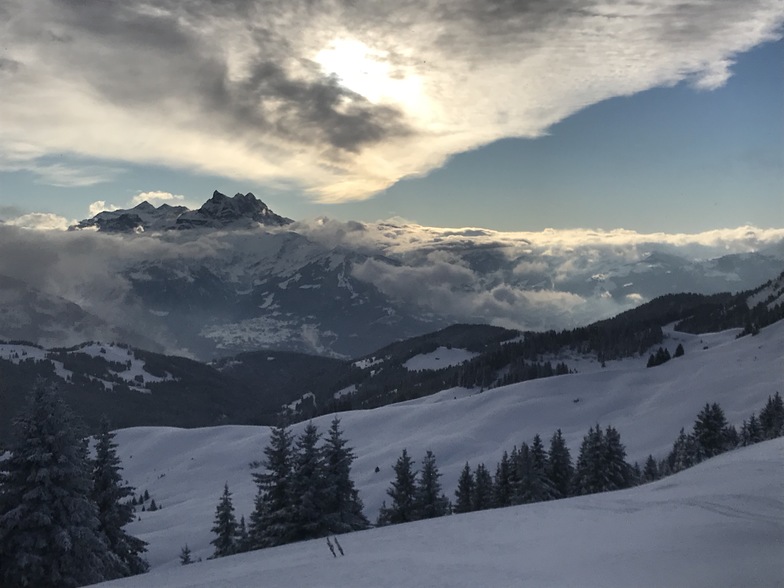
point(241, 539)
point(258, 515)
point(430, 501)
point(679, 350)
point(224, 525)
point(110, 494)
point(541, 486)
point(270, 523)
point(308, 492)
point(483, 488)
point(559, 465)
point(589, 474)
point(683, 454)
point(771, 417)
point(402, 492)
point(465, 491)
point(619, 474)
point(343, 504)
point(185, 555)
point(49, 527)
point(751, 432)
point(710, 432)
point(502, 487)
point(651, 471)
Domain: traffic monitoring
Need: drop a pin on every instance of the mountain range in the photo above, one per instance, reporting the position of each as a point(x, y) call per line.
point(220, 211)
point(234, 276)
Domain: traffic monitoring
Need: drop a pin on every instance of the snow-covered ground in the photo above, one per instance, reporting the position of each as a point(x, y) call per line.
point(184, 470)
point(718, 524)
point(440, 358)
point(134, 371)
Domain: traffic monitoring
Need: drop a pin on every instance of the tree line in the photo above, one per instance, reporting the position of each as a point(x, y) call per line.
point(533, 473)
point(305, 491)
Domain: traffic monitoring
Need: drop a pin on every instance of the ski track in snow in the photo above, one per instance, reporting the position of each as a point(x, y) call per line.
point(184, 470)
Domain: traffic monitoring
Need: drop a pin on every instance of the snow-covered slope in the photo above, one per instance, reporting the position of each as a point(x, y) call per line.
point(718, 524)
point(184, 470)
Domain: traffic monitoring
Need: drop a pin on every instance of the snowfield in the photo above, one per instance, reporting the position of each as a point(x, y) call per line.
point(440, 358)
point(714, 525)
point(718, 524)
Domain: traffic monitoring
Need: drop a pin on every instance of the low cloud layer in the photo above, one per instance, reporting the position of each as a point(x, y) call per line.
point(532, 280)
point(341, 97)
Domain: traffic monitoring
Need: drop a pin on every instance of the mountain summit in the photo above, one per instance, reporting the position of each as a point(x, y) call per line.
point(220, 211)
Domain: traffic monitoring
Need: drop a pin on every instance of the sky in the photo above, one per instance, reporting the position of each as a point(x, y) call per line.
point(516, 116)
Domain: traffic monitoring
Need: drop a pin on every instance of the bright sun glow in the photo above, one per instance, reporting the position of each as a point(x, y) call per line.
point(368, 72)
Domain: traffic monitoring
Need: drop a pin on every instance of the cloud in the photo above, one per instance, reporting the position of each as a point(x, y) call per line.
point(157, 197)
point(341, 97)
point(25, 157)
point(531, 280)
point(100, 206)
point(42, 221)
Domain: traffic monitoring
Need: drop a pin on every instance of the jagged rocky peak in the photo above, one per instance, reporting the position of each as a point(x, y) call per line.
point(144, 206)
point(220, 211)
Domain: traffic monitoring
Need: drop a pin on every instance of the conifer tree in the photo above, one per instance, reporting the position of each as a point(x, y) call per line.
point(771, 417)
point(465, 491)
point(559, 465)
point(430, 501)
point(522, 491)
point(402, 492)
point(308, 492)
point(502, 487)
point(270, 523)
point(619, 474)
point(110, 494)
point(241, 539)
point(258, 515)
point(483, 488)
point(224, 525)
point(679, 350)
point(710, 432)
point(683, 454)
point(589, 475)
point(49, 527)
point(650, 472)
point(541, 486)
point(343, 504)
point(185, 555)
point(751, 431)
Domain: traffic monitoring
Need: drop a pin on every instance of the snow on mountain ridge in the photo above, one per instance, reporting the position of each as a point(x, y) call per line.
point(220, 211)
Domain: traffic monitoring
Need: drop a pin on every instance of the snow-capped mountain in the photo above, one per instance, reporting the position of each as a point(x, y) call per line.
point(220, 211)
point(242, 278)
